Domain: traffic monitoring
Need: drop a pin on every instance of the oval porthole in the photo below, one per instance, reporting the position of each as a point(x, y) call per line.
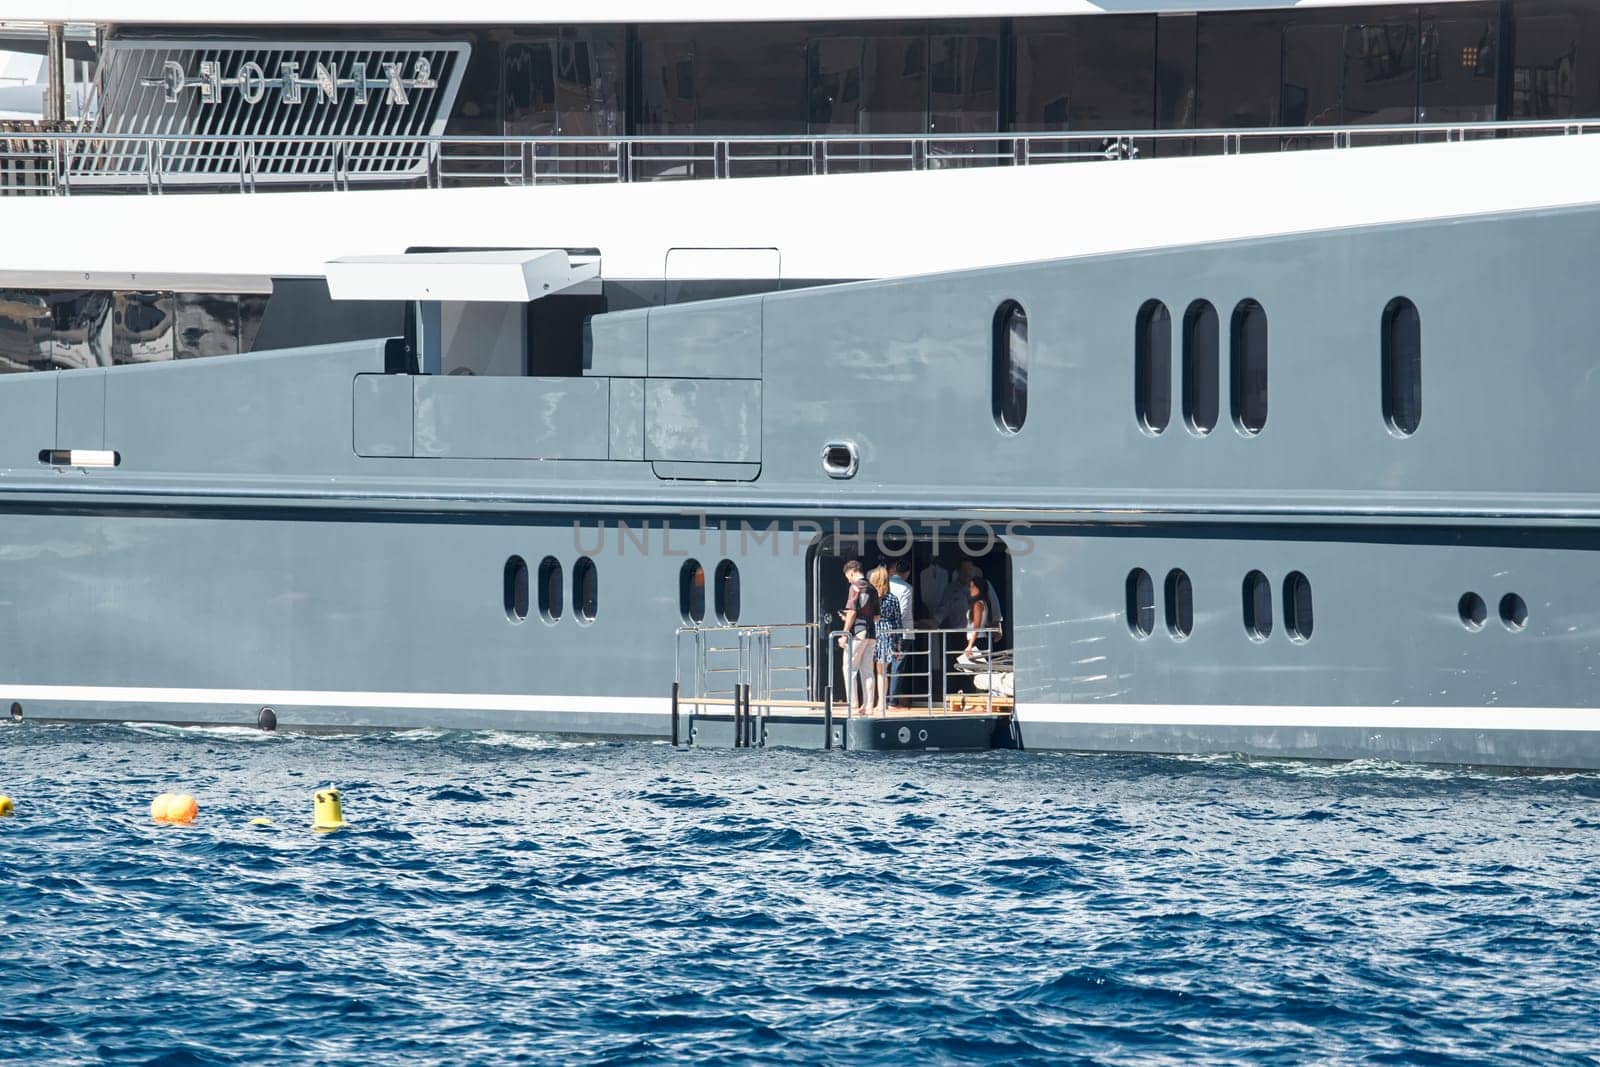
point(1247, 359)
point(692, 592)
point(516, 589)
point(585, 589)
point(1402, 367)
point(1141, 603)
point(1009, 391)
point(1513, 612)
point(1297, 615)
point(1152, 367)
point(1257, 606)
point(1201, 370)
point(1472, 611)
point(1180, 605)
point(727, 595)
point(550, 589)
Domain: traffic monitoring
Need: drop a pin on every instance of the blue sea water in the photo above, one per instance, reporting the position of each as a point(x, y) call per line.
point(516, 899)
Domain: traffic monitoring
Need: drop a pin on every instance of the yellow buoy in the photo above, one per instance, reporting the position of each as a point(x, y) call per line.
point(328, 810)
point(261, 820)
point(6, 807)
point(177, 809)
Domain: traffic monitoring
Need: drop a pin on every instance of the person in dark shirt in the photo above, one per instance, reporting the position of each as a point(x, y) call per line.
point(859, 639)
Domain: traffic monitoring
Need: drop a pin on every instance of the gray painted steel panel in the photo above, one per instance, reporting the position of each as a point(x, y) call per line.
point(616, 344)
point(81, 409)
point(627, 418)
point(714, 339)
point(512, 418)
point(705, 421)
point(29, 424)
point(382, 415)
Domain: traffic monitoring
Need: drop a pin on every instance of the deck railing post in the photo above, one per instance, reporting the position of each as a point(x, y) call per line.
point(675, 715)
point(827, 714)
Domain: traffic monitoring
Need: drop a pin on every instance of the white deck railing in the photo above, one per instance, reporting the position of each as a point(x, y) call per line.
point(60, 163)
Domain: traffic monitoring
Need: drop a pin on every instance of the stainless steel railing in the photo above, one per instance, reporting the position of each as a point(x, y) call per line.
point(57, 162)
point(935, 650)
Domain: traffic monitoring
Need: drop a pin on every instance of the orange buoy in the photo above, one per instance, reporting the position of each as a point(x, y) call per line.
point(179, 809)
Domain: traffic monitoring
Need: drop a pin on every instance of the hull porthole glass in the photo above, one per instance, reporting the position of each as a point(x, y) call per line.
point(1472, 611)
point(1257, 606)
point(550, 589)
point(516, 589)
point(1513, 612)
point(585, 589)
point(692, 592)
point(1180, 605)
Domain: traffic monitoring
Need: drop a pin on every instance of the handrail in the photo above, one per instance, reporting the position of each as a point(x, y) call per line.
point(59, 162)
point(939, 656)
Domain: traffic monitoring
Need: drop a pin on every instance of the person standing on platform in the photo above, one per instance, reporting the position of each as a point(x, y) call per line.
point(905, 599)
point(859, 639)
point(889, 624)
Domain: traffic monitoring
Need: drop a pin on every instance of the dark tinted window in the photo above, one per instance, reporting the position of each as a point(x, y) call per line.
point(1257, 606)
point(207, 324)
point(1297, 615)
point(1010, 359)
point(1201, 370)
point(727, 592)
point(585, 589)
point(550, 588)
point(1238, 70)
point(1472, 610)
point(1513, 611)
point(1248, 363)
point(1402, 366)
point(26, 325)
point(964, 84)
point(142, 328)
point(1180, 604)
point(1545, 70)
point(516, 589)
point(1086, 74)
point(1152, 366)
point(1459, 63)
point(868, 84)
point(1141, 603)
point(692, 592)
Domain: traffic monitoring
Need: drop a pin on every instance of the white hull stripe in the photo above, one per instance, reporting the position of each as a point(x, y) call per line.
point(1175, 715)
point(254, 698)
point(1289, 716)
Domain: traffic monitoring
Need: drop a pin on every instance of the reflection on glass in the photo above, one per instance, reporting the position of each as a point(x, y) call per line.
point(25, 331)
point(1095, 74)
point(82, 322)
point(252, 309)
point(142, 328)
point(1544, 73)
point(1458, 65)
point(207, 325)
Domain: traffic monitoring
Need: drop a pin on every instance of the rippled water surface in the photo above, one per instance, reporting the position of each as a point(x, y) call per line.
point(516, 899)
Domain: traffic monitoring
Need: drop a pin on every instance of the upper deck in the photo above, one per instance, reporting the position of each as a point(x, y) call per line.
point(312, 101)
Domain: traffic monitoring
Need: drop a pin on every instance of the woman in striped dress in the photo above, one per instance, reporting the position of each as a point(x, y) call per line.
point(889, 621)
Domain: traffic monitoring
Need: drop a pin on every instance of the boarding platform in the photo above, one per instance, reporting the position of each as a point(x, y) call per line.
point(764, 687)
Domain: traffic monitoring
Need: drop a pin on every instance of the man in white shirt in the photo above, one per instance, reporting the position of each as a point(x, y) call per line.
point(900, 589)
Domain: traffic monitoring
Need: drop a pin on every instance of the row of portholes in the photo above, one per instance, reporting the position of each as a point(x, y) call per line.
point(1178, 601)
point(1201, 371)
point(1474, 612)
point(550, 589)
point(1400, 349)
point(692, 592)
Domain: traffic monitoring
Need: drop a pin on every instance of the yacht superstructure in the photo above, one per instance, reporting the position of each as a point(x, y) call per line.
point(558, 355)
